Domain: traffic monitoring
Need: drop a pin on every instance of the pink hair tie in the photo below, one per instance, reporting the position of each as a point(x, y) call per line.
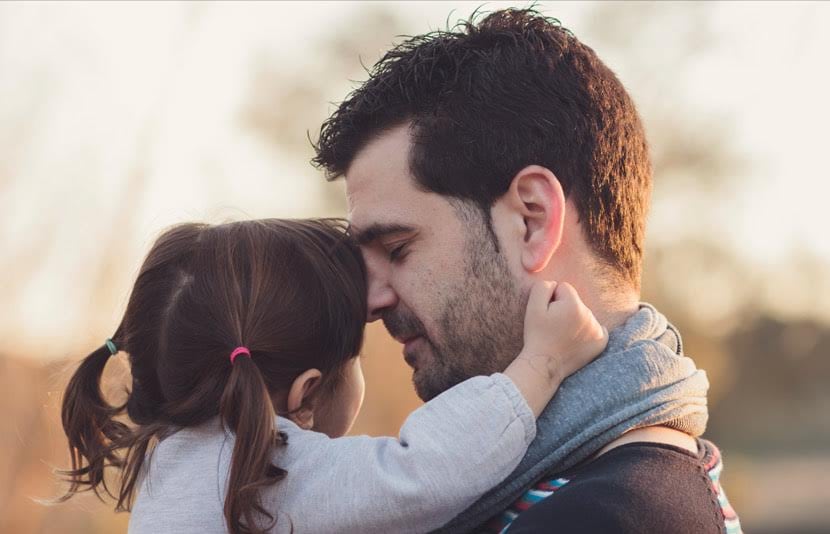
point(239, 350)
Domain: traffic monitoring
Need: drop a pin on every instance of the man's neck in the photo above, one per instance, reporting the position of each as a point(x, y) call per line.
point(611, 299)
point(612, 318)
point(612, 309)
point(653, 434)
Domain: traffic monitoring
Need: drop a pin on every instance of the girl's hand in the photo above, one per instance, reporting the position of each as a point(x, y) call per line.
point(561, 336)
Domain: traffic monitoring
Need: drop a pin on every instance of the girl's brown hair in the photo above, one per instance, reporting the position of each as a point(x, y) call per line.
point(292, 291)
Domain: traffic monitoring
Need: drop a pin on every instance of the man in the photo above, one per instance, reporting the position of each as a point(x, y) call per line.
point(477, 161)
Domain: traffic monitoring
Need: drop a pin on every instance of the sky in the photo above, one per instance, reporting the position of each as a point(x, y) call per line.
point(771, 70)
point(92, 93)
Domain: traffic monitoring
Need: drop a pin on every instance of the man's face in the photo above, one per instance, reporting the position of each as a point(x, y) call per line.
point(435, 277)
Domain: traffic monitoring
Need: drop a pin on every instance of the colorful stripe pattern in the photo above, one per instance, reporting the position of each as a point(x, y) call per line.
point(713, 464)
point(714, 467)
point(540, 491)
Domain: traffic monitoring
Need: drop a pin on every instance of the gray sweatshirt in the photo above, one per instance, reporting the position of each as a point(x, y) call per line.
point(449, 453)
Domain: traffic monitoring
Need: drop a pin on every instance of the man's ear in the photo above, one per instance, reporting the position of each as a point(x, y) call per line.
point(537, 197)
point(300, 401)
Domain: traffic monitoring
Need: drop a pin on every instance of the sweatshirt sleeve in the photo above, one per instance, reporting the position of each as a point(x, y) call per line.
point(450, 452)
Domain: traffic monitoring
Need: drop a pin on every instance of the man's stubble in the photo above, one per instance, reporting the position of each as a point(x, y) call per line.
point(481, 321)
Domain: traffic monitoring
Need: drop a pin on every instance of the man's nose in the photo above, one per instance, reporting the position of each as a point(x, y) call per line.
point(381, 297)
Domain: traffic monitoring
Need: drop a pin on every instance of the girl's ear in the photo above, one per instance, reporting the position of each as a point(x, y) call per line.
point(300, 401)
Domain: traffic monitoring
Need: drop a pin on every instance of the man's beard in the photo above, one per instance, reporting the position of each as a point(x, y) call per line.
point(481, 322)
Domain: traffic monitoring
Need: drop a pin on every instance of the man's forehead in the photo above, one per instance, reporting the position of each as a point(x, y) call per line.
point(381, 192)
point(378, 212)
point(375, 203)
point(384, 160)
point(370, 199)
point(383, 202)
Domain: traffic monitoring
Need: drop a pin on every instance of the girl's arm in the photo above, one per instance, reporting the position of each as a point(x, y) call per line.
point(450, 452)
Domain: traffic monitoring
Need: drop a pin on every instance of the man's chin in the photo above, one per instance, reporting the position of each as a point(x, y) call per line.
point(431, 375)
point(425, 390)
point(422, 379)
point(429, 382)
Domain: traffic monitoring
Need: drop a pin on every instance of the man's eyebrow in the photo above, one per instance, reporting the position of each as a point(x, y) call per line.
point(377, 230)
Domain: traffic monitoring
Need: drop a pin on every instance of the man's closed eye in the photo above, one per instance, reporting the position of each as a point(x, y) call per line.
point(397, 252)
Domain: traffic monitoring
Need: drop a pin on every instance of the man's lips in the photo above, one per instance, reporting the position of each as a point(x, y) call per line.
point(408, 344)
point(403, 340)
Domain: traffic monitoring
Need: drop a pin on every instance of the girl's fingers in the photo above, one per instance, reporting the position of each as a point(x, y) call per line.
point(565, 292)
point(541, 294)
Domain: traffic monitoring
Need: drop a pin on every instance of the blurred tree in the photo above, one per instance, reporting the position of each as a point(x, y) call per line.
point(781, 402)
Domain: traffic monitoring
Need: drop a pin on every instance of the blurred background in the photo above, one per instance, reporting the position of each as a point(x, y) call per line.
point(119, 119)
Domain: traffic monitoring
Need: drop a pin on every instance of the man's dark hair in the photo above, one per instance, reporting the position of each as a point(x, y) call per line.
point(487, 98)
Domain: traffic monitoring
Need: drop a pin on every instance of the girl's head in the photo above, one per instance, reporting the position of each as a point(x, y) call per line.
point(292, 292)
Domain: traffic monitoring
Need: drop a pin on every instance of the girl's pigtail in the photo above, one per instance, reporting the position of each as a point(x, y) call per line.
point(136, 444)
point(90, 427)
point(246, 409)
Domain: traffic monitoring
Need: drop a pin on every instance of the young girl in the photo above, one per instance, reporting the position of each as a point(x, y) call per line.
point(228, 326)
